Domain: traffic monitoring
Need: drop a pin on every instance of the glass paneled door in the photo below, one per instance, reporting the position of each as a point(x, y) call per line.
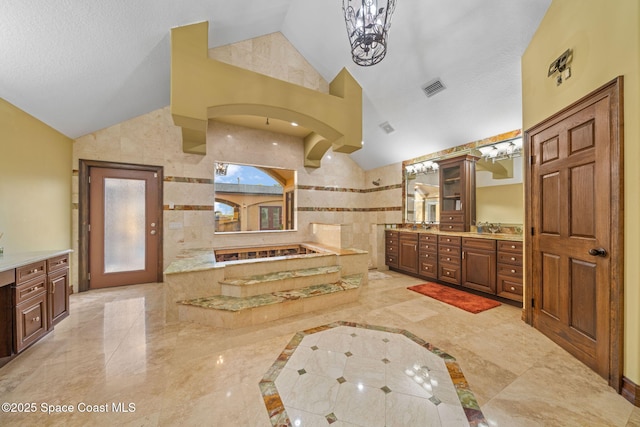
point(124, 227)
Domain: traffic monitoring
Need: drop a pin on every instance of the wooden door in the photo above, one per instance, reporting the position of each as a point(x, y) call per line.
point(574, 202)
point(125, 226)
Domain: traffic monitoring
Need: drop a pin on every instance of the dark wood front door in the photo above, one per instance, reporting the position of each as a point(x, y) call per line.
point(124, 229)
point(574, 201)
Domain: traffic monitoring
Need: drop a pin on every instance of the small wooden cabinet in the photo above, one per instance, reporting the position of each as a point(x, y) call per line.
point(479, 264)
point(457, 193)
point(449, 259)
point(391, 248)
point(57, 289)
point(510, 272)
point(408, 258)
point(428, 255)
point(30, 301)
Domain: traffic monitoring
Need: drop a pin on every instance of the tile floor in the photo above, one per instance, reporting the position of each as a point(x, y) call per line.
point(114, 361)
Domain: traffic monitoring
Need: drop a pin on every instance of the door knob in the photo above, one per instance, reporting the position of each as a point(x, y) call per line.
point(598, 252)
point(153, 231)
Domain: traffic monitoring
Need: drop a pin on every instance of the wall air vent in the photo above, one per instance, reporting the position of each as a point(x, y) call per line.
point(386, 127)
point(433, 87)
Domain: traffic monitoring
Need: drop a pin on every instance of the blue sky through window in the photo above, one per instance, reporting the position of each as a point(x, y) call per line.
point(241, 174)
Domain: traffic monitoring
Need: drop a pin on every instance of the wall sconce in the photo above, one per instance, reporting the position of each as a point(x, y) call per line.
point(561, 67)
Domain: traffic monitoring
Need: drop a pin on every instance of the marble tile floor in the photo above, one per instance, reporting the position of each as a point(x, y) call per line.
point(115, 361)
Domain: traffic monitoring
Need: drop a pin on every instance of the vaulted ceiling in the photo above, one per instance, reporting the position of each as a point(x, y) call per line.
point(83, 65)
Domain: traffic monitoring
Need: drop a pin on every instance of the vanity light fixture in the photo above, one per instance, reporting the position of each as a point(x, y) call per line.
point(368, 23)
point(502, 150)
point(425, 167)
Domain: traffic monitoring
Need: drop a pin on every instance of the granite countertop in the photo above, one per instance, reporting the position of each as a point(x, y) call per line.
point(9, 261)
point(494, 236)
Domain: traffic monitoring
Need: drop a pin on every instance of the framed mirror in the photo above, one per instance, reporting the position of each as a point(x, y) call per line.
point(251, 198)
point(499, 185)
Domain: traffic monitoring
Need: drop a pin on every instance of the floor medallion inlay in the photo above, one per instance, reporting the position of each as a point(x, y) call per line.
point(366, 375)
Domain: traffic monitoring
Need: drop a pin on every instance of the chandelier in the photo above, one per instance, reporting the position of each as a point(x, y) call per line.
point(221, 168)
point(368, 22)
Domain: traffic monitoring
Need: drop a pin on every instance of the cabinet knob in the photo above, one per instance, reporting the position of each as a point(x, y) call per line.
point(448, 273)
point(513, 246)
point(512, 288)
point(448, 250)
point(513, 258)
point(451, 226)
point(513, 271)
point(448, 259)
point(36, 319)
point(426, 255)
point(450, 217)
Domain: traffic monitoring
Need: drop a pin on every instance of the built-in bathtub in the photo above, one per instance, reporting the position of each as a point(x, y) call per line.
point(197, 273)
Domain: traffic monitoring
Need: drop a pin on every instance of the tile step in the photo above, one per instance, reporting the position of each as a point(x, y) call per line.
point(236, 304)
point(280, 275)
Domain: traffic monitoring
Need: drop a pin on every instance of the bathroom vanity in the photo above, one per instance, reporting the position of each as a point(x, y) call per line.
point(34, 297)
point(488, 263)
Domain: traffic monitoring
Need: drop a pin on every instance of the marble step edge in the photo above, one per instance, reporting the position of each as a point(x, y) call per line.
point(280, 275)
point(227, 303)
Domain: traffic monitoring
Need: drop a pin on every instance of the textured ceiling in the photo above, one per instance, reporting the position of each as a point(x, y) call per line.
point(83, 65)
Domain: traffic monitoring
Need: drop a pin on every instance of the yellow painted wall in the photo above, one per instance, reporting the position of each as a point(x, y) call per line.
point(501, 203)
point(605, 38)
point(35, 183)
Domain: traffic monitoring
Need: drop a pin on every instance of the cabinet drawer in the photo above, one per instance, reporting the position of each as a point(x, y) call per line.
point(449, 259)
point(452, 251)
point(509, 288)
point(391, 260)
point(29, 289)
point(506, 246)
point(482, 244)
point(426, 237)
point(428, 256)
point(451, 227)
point(31, 323)
point(449, 273)
point(514, 271)
point(510, 258)
point(428, 247)
point(392, 250)
point(30, 271)
point(449, 240)
point(452, 218)
point(409, 237)
point(57, 263)
point(429, 268)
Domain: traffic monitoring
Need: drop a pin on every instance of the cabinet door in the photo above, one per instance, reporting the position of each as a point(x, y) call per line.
point(58, 296)
point(408, 256)
point(31, 321)
point(479, 270)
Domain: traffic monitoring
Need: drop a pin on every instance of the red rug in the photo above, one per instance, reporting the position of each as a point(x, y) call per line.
point(461, 299)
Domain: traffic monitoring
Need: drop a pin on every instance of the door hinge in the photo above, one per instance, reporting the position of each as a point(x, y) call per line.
point(533, 303)
point(88, 276)
point(155, 174)
point(88, 227)
point(533, 231)
point(89, 180)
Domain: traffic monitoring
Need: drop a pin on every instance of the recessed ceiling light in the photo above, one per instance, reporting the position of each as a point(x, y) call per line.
point(274, 143)
point(294, 124)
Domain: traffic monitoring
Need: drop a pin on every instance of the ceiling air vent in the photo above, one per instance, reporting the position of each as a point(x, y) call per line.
point(433, 87)
point(386, 127)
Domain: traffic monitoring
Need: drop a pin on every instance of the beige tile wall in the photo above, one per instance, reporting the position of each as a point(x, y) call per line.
point(153, 139)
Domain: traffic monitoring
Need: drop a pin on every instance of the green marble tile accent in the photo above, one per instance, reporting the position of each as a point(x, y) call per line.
point(281, 275)
point(223, 302)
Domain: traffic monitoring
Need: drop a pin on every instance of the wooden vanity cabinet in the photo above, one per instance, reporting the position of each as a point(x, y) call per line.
point(449, 259)
point(391, 248)
point(408, 258)
point(479, 264)
point(428, 256)
point(457, 193)
point(30, 302)
point(57, 289)
point(510, 271)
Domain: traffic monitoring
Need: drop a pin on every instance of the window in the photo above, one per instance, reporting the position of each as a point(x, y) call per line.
point(253, 198)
